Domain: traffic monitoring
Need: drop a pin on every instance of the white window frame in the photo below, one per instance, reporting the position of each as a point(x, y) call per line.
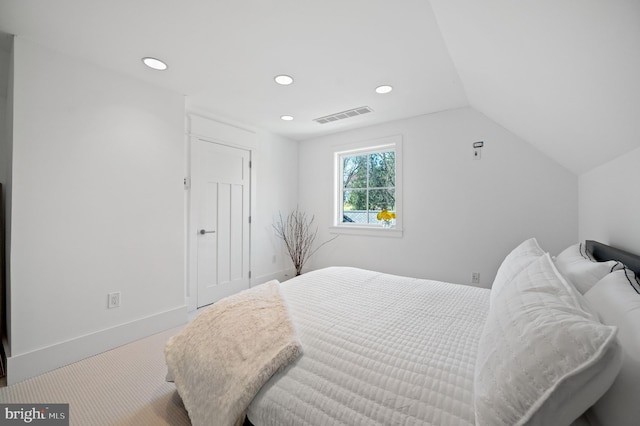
point(389, 143)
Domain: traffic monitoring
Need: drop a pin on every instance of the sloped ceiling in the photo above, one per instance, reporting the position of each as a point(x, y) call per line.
point(563, 74)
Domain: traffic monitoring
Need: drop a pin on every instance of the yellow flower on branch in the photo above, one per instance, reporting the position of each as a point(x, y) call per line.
point(386, 215)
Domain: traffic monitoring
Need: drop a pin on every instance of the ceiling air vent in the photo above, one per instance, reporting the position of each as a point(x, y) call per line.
point(342, 115)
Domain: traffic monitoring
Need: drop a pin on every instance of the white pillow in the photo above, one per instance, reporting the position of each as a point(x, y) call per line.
point(519, 258)
point(618, 303)
point(577, 266)
point(543, 358)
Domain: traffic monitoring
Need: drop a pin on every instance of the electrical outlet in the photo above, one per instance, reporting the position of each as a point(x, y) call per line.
point(114, 300)
point(475, 278)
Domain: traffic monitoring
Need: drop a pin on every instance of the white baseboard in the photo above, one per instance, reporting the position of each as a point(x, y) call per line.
point(281, 276)
point(30, 364)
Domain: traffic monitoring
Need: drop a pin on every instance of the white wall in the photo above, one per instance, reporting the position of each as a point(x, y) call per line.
point(97, 207)
point(460, 215)
point(609, 204)
point(276, 169)
point(5, 61)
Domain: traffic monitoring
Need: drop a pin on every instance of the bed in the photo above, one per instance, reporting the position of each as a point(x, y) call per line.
point(547, 345)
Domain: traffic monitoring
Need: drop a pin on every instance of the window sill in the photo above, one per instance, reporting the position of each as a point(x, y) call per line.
point(369, 231)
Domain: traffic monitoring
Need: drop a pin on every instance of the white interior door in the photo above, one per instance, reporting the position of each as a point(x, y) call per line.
point(220, 185)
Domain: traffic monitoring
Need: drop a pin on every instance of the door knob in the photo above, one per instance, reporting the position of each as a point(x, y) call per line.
point(202, 232)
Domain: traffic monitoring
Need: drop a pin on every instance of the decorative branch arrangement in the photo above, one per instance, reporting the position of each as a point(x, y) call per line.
point(298, 236)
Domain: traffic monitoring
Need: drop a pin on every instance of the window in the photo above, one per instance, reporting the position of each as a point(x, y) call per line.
point(368, 183)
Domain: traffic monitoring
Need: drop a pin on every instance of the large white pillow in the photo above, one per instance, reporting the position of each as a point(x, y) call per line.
point(519, 258)
point(543, 358)
point(577, 266)
point(618, 303)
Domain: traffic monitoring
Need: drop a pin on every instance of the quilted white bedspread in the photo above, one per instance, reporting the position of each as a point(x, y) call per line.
point(378, 349)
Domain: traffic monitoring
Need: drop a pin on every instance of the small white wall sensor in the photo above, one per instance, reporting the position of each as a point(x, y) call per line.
point(477, 150)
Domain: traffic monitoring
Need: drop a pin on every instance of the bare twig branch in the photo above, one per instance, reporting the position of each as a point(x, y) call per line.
point(298, 236)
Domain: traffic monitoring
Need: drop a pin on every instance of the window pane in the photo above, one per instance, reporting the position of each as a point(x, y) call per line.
point(354, 171)
point(382, 169)
point(355, 206)
point(382, 199)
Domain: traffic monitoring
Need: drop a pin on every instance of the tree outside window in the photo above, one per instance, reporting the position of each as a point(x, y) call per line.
point(368, 185)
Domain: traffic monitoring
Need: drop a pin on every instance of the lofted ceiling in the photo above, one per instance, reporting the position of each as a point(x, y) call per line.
point(562, 74)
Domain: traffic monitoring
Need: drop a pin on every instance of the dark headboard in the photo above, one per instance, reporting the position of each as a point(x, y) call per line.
point(602, 252)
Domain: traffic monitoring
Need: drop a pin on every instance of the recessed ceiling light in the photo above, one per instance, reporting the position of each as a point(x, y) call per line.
point(286, 117)
point(383, 89)
point(154, 63)
point(284, 80)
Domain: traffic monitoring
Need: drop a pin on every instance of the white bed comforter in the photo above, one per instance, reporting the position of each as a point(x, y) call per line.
point(378, 349)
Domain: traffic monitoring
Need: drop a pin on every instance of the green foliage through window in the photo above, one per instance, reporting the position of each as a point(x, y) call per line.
point(368, 185)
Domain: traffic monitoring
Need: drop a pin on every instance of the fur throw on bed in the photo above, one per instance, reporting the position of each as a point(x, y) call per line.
point(222, 358)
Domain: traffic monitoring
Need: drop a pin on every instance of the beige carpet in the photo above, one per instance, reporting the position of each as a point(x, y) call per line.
point(124, 386)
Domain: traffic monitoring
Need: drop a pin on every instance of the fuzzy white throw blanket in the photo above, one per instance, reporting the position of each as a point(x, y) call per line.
point(222, 358)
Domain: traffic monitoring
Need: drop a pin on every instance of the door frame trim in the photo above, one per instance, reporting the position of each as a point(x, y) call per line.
point(210, 130)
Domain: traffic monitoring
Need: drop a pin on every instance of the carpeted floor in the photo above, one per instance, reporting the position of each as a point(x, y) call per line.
point(124, 386)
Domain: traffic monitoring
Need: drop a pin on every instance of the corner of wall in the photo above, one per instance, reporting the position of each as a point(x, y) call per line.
point(6, 151)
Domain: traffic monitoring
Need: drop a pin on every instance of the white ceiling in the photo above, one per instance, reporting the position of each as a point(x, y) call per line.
point(561, 74)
